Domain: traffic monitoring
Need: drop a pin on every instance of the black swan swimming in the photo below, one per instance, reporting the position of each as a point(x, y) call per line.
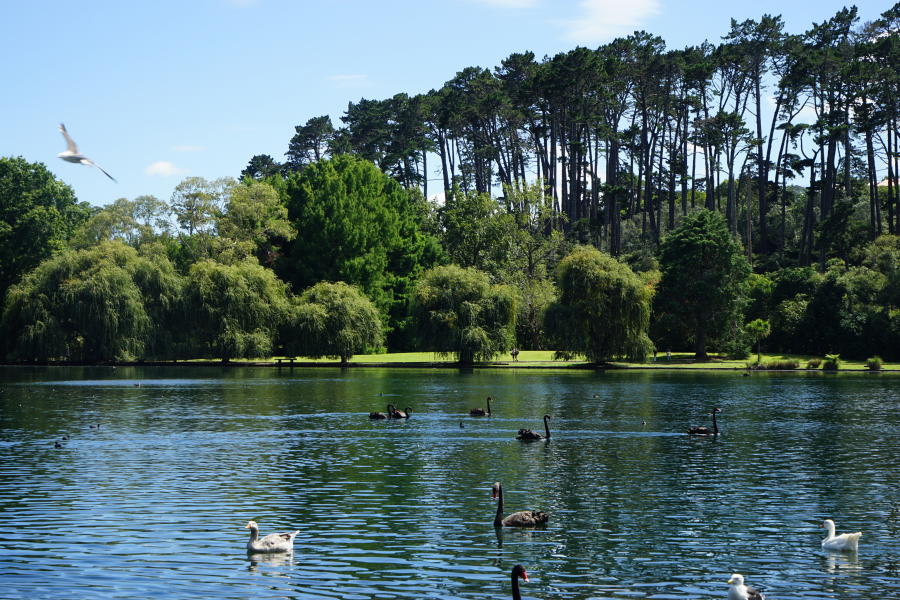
point(707, 430)
point(480, 412)
point(399, 414)
point(523, 518)
point(527, 434)
point(380, 415)
point(518, 571)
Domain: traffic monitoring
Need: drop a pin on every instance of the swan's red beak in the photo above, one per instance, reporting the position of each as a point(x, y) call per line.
point(525, 576)
point(495, 495)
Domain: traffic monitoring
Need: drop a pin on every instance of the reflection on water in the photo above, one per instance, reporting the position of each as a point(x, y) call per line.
point(154, 502)
point(264, 560)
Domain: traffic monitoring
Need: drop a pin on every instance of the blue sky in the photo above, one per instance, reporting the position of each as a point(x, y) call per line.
point(158, 91)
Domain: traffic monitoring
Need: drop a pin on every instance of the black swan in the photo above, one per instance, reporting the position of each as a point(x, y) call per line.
point(480, 412)
point(527, 434)
point(707, 430)
point(518, 571)
point(523, 518)
point(274, 542)
point(399, 414)
point(380, 415)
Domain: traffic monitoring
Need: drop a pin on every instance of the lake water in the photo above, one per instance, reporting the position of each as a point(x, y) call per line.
point(153, 503)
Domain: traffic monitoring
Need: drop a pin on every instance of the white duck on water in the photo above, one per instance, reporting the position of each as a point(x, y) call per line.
point(274, 542)
point(846, 542)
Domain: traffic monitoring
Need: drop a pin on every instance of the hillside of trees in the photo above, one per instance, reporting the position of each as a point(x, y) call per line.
point(753, 180)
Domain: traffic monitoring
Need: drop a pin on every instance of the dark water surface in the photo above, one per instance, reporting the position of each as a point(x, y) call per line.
point(153, 503)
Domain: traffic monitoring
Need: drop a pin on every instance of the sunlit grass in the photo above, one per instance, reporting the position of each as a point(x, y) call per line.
point(544, 358)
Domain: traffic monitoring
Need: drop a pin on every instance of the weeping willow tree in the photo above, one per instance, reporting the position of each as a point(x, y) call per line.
point(95, 304)
point(232, 311)
point(334, 320)
point(602, 311)
point(458, 312)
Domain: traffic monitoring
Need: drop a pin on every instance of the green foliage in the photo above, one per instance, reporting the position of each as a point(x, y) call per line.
point(458, 312)
point(134, 222)
point(334, 320)
point(759, 329)
point(832, 362)
point(874, 363)
point(252, 224)
point(38, 215)
point(703, 284)
point(197, 204)
point(261, 167)
point(354, 224)
point(103, 303)
point(603, 310)
point(783, 365)
point(475, 231)
point(531, 233)
point(814, 363)
point(232, 311)
point(759, 297)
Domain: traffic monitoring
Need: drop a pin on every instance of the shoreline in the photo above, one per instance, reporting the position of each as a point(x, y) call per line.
point(524, 365)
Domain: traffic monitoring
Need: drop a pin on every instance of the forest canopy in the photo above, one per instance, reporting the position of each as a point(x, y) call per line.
point(479, 216)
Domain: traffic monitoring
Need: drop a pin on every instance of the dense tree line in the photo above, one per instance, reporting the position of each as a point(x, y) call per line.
point(597, 203)
point(631, 136)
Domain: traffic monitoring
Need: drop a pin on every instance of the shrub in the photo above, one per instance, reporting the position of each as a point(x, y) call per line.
point(781, 365)
point(814, 363)
point(832, 362)
point(873, 364)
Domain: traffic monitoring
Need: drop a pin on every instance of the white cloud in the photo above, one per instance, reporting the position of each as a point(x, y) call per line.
point(603, 20)
point(343, 81)
point(188, 148)
point(164, 169)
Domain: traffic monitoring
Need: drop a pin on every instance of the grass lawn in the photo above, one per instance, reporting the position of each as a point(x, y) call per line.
point(544, 358)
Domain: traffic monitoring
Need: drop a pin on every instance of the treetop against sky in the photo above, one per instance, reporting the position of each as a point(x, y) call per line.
point(156, 92)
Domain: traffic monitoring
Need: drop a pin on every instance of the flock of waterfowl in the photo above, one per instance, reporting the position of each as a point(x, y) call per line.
point(284, 542)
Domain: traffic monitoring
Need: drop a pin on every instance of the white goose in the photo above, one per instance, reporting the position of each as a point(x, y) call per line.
point(274, 542)
point(846, 542)
point(739, 591)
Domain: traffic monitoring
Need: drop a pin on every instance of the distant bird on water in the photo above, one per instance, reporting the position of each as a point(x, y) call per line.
point(71, 154)
point(58, 445)
point(97, 426)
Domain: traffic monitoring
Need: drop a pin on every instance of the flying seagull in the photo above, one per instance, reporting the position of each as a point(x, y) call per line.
point(71, 155)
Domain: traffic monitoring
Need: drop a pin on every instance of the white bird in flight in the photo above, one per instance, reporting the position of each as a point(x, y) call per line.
point(71, 155)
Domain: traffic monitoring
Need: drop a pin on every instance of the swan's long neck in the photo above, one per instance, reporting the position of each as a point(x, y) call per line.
point(546, 427)
point(489, 407)
point(829, 527)
point(715, 425)
point(515, 586)
point(391, 408)
point(498, 520)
